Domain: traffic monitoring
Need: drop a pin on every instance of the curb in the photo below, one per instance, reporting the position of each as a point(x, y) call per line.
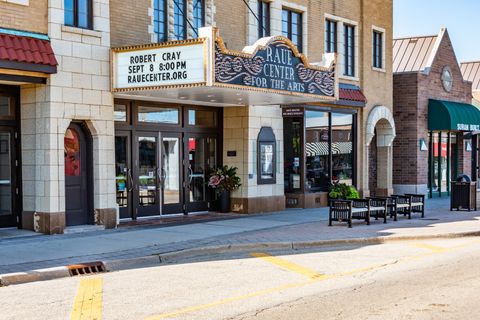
point(160, 258)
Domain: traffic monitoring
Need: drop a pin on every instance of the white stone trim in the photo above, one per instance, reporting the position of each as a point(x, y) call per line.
point(435, 48)
point(384, 33)
point(341, 48)
point(385, 133)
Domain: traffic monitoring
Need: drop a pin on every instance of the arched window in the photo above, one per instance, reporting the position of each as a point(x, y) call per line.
point(78, 13)
point(198, 15)
point(160, 20)
point(180, 19)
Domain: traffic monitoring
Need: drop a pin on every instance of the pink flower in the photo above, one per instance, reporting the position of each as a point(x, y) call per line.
point(214, 181)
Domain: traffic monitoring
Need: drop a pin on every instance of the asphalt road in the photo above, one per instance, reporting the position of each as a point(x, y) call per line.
point(409, 280)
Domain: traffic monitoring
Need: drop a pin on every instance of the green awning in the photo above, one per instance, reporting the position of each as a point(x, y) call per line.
point(452, 116)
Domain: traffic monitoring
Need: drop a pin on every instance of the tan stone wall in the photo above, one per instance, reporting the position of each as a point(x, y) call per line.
point(129, 21)
point(231, 20)
point(31, 17)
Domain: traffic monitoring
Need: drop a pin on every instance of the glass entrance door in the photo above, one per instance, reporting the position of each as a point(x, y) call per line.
point(7, 179)
point(201, 158)
point(123, 174)
point(146, 175)
point(171, 173)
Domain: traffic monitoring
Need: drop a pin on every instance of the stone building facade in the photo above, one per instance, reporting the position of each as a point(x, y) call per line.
point(74, 106)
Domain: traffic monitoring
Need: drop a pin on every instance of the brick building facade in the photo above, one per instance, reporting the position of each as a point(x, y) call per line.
point(78, 138)
point(426, 70)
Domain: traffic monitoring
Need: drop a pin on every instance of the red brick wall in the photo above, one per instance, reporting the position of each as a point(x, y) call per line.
point(405, 115)
point(411, 94)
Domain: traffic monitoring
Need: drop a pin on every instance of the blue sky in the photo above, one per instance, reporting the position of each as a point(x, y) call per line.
point(424, 17)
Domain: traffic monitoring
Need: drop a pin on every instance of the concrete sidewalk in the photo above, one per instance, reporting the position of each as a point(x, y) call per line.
point(288, 227)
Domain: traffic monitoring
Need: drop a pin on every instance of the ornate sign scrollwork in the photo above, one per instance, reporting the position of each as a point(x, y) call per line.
point(276, 66)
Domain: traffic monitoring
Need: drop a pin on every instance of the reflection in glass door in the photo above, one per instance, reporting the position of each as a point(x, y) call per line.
point(202, 155)
point(146, 177)
point(171, 176)
point(6, 210)
point(123, 174)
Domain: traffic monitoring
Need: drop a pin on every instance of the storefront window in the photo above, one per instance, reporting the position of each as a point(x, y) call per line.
point(293, 160)
point(317, 150)
point(120, 112)
point(158, 115)
point(342, 148)
point(202, 118)
point(5, 107)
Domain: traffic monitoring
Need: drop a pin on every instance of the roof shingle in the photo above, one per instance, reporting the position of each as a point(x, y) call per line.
point(471, 72)
point(25, 49)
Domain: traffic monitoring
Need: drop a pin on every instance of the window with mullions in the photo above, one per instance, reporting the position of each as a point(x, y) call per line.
point(180, 20)
point(349, 43)
point(78, 13)
point(377, 49)
point(160, 20)
point(198, 15)
point(263, 19)
point(330, 36)
point(292, 27)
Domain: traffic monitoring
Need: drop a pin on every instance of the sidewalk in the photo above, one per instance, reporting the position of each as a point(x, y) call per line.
point(291, 226)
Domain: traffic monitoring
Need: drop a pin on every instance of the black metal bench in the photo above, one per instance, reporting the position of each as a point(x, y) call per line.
point(346, 210)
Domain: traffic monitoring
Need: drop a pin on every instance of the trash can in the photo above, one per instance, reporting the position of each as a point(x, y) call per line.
point(463, 193)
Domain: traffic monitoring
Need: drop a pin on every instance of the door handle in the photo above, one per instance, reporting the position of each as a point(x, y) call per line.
point(129, 180)
point(190, 175)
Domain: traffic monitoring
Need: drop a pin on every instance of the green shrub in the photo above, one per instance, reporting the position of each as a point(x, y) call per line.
point(343, 191)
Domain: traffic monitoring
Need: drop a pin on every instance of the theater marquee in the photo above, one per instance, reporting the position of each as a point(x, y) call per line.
point(160, 65)
point(272, 71)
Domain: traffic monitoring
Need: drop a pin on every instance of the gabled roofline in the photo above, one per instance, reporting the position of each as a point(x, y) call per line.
point(433, 54)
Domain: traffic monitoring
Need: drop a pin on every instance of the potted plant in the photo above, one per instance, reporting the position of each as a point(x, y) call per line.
point(224, 180)
point(343, 191)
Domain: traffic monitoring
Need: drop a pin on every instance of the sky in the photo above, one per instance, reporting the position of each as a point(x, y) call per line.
point(426, 17)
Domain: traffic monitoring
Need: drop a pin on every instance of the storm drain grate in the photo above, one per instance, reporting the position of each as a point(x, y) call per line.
point(86, 268)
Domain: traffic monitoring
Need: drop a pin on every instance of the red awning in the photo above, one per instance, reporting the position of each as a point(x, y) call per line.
point(26, 53)
point(352, 95)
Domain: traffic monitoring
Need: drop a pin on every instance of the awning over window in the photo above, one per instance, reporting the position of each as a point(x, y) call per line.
point(26, 51)
point(452, 116)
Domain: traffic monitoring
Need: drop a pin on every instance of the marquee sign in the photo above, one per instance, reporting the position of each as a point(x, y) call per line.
point(276, 66)
point(160, 65)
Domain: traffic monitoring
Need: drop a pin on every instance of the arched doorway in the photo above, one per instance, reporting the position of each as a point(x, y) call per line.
point(380, 132)
point(78, 180)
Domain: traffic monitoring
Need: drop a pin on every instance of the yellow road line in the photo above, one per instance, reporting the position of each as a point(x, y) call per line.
point(228, 300)
point(88, 301)
point(433, 248)
point(287, 265)
point(317, 278)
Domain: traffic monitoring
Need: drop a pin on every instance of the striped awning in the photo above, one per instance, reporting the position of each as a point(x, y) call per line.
point(313, 149)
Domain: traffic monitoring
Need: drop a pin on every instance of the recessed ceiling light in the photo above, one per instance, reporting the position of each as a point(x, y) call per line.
point(182, 97)
point(213, 100)
point(210, 95)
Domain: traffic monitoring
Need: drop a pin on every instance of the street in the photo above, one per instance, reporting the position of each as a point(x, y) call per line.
point(427, 279)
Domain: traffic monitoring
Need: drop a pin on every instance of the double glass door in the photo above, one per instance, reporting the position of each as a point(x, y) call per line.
point(160, 173)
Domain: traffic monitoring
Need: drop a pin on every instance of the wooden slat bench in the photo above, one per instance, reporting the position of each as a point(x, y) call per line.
point(408, 203)
point(346, 210)
point(379, 207)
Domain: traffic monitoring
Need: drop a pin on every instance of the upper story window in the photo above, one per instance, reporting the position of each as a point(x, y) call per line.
point(198, 15)
point(180, 19)
point(160, 20)
point(349, 34)
point(292, 27)
point(263, 19)
point(377, 49)
point(330, 36)
point(78, 13)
